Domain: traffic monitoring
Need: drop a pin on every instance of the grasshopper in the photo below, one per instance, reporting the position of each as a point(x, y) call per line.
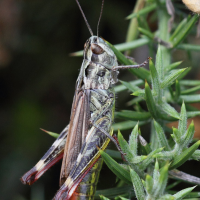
point(89, 130)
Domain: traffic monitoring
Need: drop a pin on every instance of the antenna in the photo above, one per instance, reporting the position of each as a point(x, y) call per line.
point(84, 18)
point(100, 18)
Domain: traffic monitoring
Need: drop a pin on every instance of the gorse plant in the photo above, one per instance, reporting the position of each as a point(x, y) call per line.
point(148, 165)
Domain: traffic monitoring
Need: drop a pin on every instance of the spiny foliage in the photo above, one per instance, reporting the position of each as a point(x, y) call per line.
point(147, 166)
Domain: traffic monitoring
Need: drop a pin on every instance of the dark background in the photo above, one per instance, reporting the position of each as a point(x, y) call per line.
point(37, 80)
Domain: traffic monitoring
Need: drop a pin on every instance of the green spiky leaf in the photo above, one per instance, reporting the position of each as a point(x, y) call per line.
point(122, 87)
point(172, 66)
point(103, 198)
point(154, 78)
point(130, 86)
point(159, 188)
point(143, 11)
point(189, 47)
point(127, 125)
point(184, 156)
point(169, 80)
point(137, 184)
point(190, 98)
point(187, 138)
point(180, 195)
point(150, 101)
point(133, 140)
point(159, 62)
point(178, 29)
point(149, 183)
point(125, 147)
point(161, 136)
point(183, 122)
point(169, 110)
point(132, 115)
point(146, 33)
point(180, 36)
point(113, 192)
point(191, 90)
point(55, 135)
point(193, 114)
point(118, 170)
point(190, 82)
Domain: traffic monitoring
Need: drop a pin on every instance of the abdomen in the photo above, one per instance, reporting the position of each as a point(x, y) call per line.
point(86, 189)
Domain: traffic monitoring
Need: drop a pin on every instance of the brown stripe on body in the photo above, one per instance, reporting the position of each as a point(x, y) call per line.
point(75, 135)
point(87, 157)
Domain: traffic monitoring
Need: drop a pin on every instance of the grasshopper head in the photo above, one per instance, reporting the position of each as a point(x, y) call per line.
point(97, 51)
point(99, 74)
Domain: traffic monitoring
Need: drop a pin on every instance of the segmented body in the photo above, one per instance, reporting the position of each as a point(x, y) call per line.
point(89, 129)
point(87, 187)
point(93, 110)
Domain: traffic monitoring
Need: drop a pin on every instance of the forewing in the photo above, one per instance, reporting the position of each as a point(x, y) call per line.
point(87, 157)
point(78, 129)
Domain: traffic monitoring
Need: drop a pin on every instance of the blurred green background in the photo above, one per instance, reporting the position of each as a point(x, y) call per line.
point(37, 80)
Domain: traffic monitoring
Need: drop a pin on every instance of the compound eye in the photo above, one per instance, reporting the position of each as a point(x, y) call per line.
point(101, 73)
point(96, 49)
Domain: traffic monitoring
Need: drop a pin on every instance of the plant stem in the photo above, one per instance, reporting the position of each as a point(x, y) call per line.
point(133, 25)
point(164, 34)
